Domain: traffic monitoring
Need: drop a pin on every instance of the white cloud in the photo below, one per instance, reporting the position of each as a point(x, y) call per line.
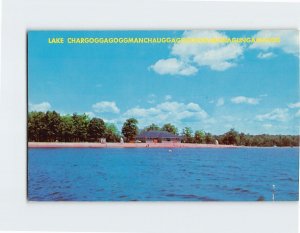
point(173, 66)
point(106, 106)
point(228, 126)
point(267, 126)
point(278, 114)
point(141, 112)
point(228, 119)
point(265, 55)
point(173, 112)
point(263, 95)
point(220, 102)
point(289, 41)
point(151, 99)
point(294, 105)
point(41, 107)
point(90, 114)
point(244, 99)
point(191, 56)
point(193, 107)
point(168, 97)
point(219, 58)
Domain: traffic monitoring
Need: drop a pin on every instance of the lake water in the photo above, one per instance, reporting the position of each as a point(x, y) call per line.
point(235, 174)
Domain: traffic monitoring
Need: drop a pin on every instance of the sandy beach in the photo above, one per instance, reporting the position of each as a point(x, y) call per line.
point(122, 145)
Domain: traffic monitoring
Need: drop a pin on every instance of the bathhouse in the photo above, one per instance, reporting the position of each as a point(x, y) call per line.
point(157, 136)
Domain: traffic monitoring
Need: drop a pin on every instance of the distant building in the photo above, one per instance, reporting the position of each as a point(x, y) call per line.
point(156, 136)
point(103, 140)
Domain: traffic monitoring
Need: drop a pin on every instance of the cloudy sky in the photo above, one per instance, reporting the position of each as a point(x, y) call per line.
point(253, 88)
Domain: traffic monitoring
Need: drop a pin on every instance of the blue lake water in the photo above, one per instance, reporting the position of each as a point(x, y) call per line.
point(236, 174)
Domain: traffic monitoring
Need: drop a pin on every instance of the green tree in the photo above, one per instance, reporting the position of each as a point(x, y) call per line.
point(52, 121)
point(209, 138)
point(130, 129)
point(66, 129)
point(111, 133)
point(80, 123)
point(43, 129)
point(43, 126)
point(243, 139)
point(199, 136)
point(36, 126)
point(231, 137)
point(170, 128)
point(187, 135)
point(286, 141)
point(152, 127)
point(95, 129)
point(256, 141)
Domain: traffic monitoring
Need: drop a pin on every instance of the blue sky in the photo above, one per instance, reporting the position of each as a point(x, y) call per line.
point(253, 88)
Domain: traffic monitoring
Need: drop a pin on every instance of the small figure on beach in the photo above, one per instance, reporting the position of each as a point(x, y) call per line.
point(261, 198)
point(103, 140)
point(273, 192)
point(121, 140)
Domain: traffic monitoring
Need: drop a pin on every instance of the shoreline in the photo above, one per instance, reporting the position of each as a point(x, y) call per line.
point(123, 145)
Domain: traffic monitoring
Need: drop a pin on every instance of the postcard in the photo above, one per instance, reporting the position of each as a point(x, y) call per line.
point(163, 115)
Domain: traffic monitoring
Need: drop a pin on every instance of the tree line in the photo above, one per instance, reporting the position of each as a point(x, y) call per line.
point(51, 127)
point(232, 137)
